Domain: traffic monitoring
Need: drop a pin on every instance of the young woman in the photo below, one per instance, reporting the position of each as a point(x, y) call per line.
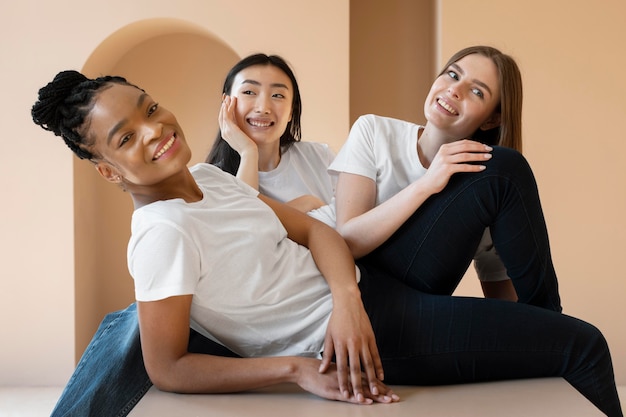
point(194, 259)
point(259, 142)
point(477, 96)
point(259, 137)
point(276, 162)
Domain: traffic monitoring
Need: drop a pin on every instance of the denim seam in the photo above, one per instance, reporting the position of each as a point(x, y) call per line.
point(133, 402)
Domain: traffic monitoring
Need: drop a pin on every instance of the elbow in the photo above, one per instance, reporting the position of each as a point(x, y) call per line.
point(357, 252)
point(163, 380)
point(166, 387)
point(355, 248)
point(166, 384)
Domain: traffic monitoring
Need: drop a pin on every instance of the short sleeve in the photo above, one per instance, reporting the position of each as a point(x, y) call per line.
point(163, 261)
point(357, 155)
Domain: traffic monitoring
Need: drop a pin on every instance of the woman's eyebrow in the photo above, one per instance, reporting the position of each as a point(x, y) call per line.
point(483, 85)
point(122, 122)
point(255, 82)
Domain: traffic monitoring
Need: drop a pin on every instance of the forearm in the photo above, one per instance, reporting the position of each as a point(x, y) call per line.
point(349, 336)
point(205, 374)
point(502, 290)
point(240, 142)
point(369, 230)
point(334, 260)
point(248, 170)
point(305, 203)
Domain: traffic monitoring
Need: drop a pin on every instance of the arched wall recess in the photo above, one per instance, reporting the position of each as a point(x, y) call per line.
point(182, 66)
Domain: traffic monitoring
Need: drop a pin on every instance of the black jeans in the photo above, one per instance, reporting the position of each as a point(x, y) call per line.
point(427, 336)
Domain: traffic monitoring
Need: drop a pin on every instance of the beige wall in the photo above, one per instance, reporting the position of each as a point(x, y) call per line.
point(571, 55)
point(392, 53)
point(38, 39)
point(568, 52)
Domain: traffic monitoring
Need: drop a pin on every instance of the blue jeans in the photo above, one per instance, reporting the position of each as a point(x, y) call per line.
point(425, 335)
point(110, 377)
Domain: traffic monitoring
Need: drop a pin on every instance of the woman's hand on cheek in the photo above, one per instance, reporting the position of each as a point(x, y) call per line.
point(231, 131)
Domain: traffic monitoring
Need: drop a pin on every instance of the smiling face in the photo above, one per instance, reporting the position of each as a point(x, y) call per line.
point(136, 139)
point(464, 97)
point(264, 102)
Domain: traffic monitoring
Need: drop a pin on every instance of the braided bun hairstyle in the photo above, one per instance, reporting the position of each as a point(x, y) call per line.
point(63, 105)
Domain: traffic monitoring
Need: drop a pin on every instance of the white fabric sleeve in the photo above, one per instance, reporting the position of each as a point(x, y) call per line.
point(164, 262)
point(357, 155)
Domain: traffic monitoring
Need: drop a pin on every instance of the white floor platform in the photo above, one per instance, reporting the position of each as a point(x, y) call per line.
point(537, 397)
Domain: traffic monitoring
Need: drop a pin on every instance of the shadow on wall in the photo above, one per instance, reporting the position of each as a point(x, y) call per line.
point(182, 66)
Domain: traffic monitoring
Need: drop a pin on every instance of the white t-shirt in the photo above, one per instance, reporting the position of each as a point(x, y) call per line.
point(276, 302)
point(385, 150)
point(302, 170)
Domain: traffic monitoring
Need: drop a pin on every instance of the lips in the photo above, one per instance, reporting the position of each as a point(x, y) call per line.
point(164, 147)
point(260, 123)
point(447, 107)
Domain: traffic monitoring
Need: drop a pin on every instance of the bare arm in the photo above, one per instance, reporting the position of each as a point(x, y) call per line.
point(240, 142)
point(164, 326)
point(503, 290)
point(305, 203)
point(349, 336)
point(366, 226)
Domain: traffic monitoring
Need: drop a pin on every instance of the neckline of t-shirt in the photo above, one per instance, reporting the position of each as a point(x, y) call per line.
point(282, 165)
point(414, 145)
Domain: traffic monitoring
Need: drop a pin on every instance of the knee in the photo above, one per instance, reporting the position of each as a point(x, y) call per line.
point(503, 155)
point(593, 343)
point(509, 163)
